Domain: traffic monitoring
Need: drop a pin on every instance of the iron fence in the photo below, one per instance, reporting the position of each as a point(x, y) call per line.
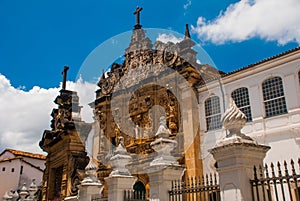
point(269, 186)
point(131, 195)
point(195, 189)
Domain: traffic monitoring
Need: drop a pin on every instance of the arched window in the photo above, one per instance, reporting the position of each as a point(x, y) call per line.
point(274, 99)
point(213, 113)
point(241, 99)
point(299, 76)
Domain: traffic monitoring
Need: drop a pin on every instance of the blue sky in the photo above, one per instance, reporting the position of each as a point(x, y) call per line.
point(38, 38)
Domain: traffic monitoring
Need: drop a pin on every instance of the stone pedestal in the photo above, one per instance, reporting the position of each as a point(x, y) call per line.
point(88, 190)
point(235, 159)
point(160, 180)
point(90, 185)
point(116, 186)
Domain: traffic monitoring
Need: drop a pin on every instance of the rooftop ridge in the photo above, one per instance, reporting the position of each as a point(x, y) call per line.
point(25, 154)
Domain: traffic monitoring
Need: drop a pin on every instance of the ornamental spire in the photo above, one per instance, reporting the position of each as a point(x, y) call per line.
point(187, 32)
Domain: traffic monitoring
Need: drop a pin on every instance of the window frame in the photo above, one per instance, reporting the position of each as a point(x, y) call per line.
point(271, 98)
point(212, 117)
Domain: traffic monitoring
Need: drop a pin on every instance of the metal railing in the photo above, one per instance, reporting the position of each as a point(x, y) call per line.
point(196, 189)
point(269, 186)
point(131, 195)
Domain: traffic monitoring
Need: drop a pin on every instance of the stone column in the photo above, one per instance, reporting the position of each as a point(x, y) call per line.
point(90, 185)
point(120, 178)
point(236, 155)
point(164, 168)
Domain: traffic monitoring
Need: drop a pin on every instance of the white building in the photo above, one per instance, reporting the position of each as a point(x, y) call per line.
point(268, 92)
point(18, 167)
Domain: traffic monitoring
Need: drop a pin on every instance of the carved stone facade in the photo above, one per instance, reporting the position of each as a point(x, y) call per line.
point(151, 82)
point(67, 158)
point(154, 80)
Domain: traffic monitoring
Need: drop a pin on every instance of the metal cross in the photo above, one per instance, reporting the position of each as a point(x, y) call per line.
point(64, 73)
point(137, 13)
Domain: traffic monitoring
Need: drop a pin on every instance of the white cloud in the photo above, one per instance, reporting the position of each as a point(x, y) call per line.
point(26, 114)
point(272, 20)
point(86, 93)
point(187, 4)
point(168, 38)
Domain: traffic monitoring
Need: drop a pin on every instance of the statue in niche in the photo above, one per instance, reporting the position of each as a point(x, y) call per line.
point(163, 129)
point(171, 115)
point(137, 132)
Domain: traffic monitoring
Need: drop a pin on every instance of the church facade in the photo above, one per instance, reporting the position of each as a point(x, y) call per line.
point(157, 80)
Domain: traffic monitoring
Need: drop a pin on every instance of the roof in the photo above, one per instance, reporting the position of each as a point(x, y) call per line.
point(264, 61)
point(25, 154)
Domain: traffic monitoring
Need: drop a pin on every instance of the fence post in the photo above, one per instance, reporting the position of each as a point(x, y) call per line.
point(90, 185)
point(164, 168)
point(160, 180)
point(120, 178)
point(236, 155)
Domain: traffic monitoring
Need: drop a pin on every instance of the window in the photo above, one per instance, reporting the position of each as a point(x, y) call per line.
point(21, 170)
point(213, 113)
point(299, 76)
point(274, 99)
point(3, 169)
point(12, 169)
point(241, 99)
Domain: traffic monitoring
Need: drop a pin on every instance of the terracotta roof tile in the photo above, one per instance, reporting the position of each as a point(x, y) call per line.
point(26, 154)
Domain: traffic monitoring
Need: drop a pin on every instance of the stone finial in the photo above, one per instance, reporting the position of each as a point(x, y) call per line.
point(90, 170)
point(32, 189)
point(163, 130)
point(90, 185)
point(7, 197)
point(119, 160)
point(163, 146)
point(15, 195)
point(234, 120)
point(23, 192)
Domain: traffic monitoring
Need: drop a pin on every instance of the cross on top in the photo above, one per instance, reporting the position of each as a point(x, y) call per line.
point(137, 14)
point(64, 73)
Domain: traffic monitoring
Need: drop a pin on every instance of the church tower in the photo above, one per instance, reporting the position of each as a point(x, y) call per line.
point(64, 143)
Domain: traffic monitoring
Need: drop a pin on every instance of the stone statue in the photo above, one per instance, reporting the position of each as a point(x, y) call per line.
point(163, 130)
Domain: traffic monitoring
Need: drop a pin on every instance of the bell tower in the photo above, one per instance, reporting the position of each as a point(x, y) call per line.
point(64, 144)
